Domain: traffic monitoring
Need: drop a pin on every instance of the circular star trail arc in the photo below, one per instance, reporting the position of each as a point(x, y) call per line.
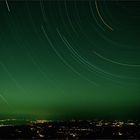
point(115, 62)
point(7, 5)
point(101, 17)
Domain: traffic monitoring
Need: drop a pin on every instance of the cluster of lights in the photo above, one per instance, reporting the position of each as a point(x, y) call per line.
point(39, 121)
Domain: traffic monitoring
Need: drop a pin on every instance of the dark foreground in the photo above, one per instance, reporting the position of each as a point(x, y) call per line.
point(73, 129)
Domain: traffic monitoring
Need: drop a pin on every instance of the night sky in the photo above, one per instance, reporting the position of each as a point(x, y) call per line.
point(64, 59)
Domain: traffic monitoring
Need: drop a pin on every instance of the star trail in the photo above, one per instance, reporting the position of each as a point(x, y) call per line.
point(70, 59)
